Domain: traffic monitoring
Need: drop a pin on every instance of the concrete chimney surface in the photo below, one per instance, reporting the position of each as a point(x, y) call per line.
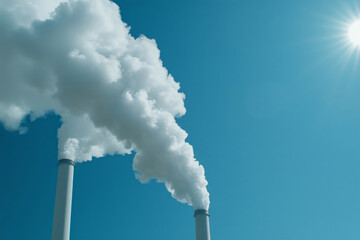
point(202, 226)
point(62, 211)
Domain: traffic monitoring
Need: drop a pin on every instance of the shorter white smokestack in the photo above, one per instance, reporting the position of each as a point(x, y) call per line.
point(202, 226)
point(62, 212)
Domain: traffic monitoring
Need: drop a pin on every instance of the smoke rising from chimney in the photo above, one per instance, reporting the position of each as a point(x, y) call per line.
point(76, 58)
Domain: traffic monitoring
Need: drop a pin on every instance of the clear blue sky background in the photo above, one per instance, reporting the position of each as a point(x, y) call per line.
point(273, 112)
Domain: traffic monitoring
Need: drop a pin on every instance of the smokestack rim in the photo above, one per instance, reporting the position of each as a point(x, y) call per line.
point(201, 212)
point(66, 161)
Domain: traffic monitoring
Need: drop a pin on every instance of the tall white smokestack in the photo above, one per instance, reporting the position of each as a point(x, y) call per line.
point(202, 226)
point(62, 212)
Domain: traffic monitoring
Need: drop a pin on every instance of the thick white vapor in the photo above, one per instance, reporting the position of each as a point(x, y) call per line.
point(76, 58)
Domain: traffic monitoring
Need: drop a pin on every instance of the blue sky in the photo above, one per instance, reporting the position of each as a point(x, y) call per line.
point(273, 114)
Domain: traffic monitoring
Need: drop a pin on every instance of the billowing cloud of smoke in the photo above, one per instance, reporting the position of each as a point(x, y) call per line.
point(76, 58)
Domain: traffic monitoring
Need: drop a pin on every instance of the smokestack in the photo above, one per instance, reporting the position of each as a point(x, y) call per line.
point(62, 212)
point(202, 226)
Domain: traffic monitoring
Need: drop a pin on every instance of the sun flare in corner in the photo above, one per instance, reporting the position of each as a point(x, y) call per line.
point(354, 33)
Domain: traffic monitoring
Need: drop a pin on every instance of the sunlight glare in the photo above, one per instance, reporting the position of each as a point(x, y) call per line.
point(354, 33)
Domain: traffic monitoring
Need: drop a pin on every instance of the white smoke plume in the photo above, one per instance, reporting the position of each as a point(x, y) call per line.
point(76, 58)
